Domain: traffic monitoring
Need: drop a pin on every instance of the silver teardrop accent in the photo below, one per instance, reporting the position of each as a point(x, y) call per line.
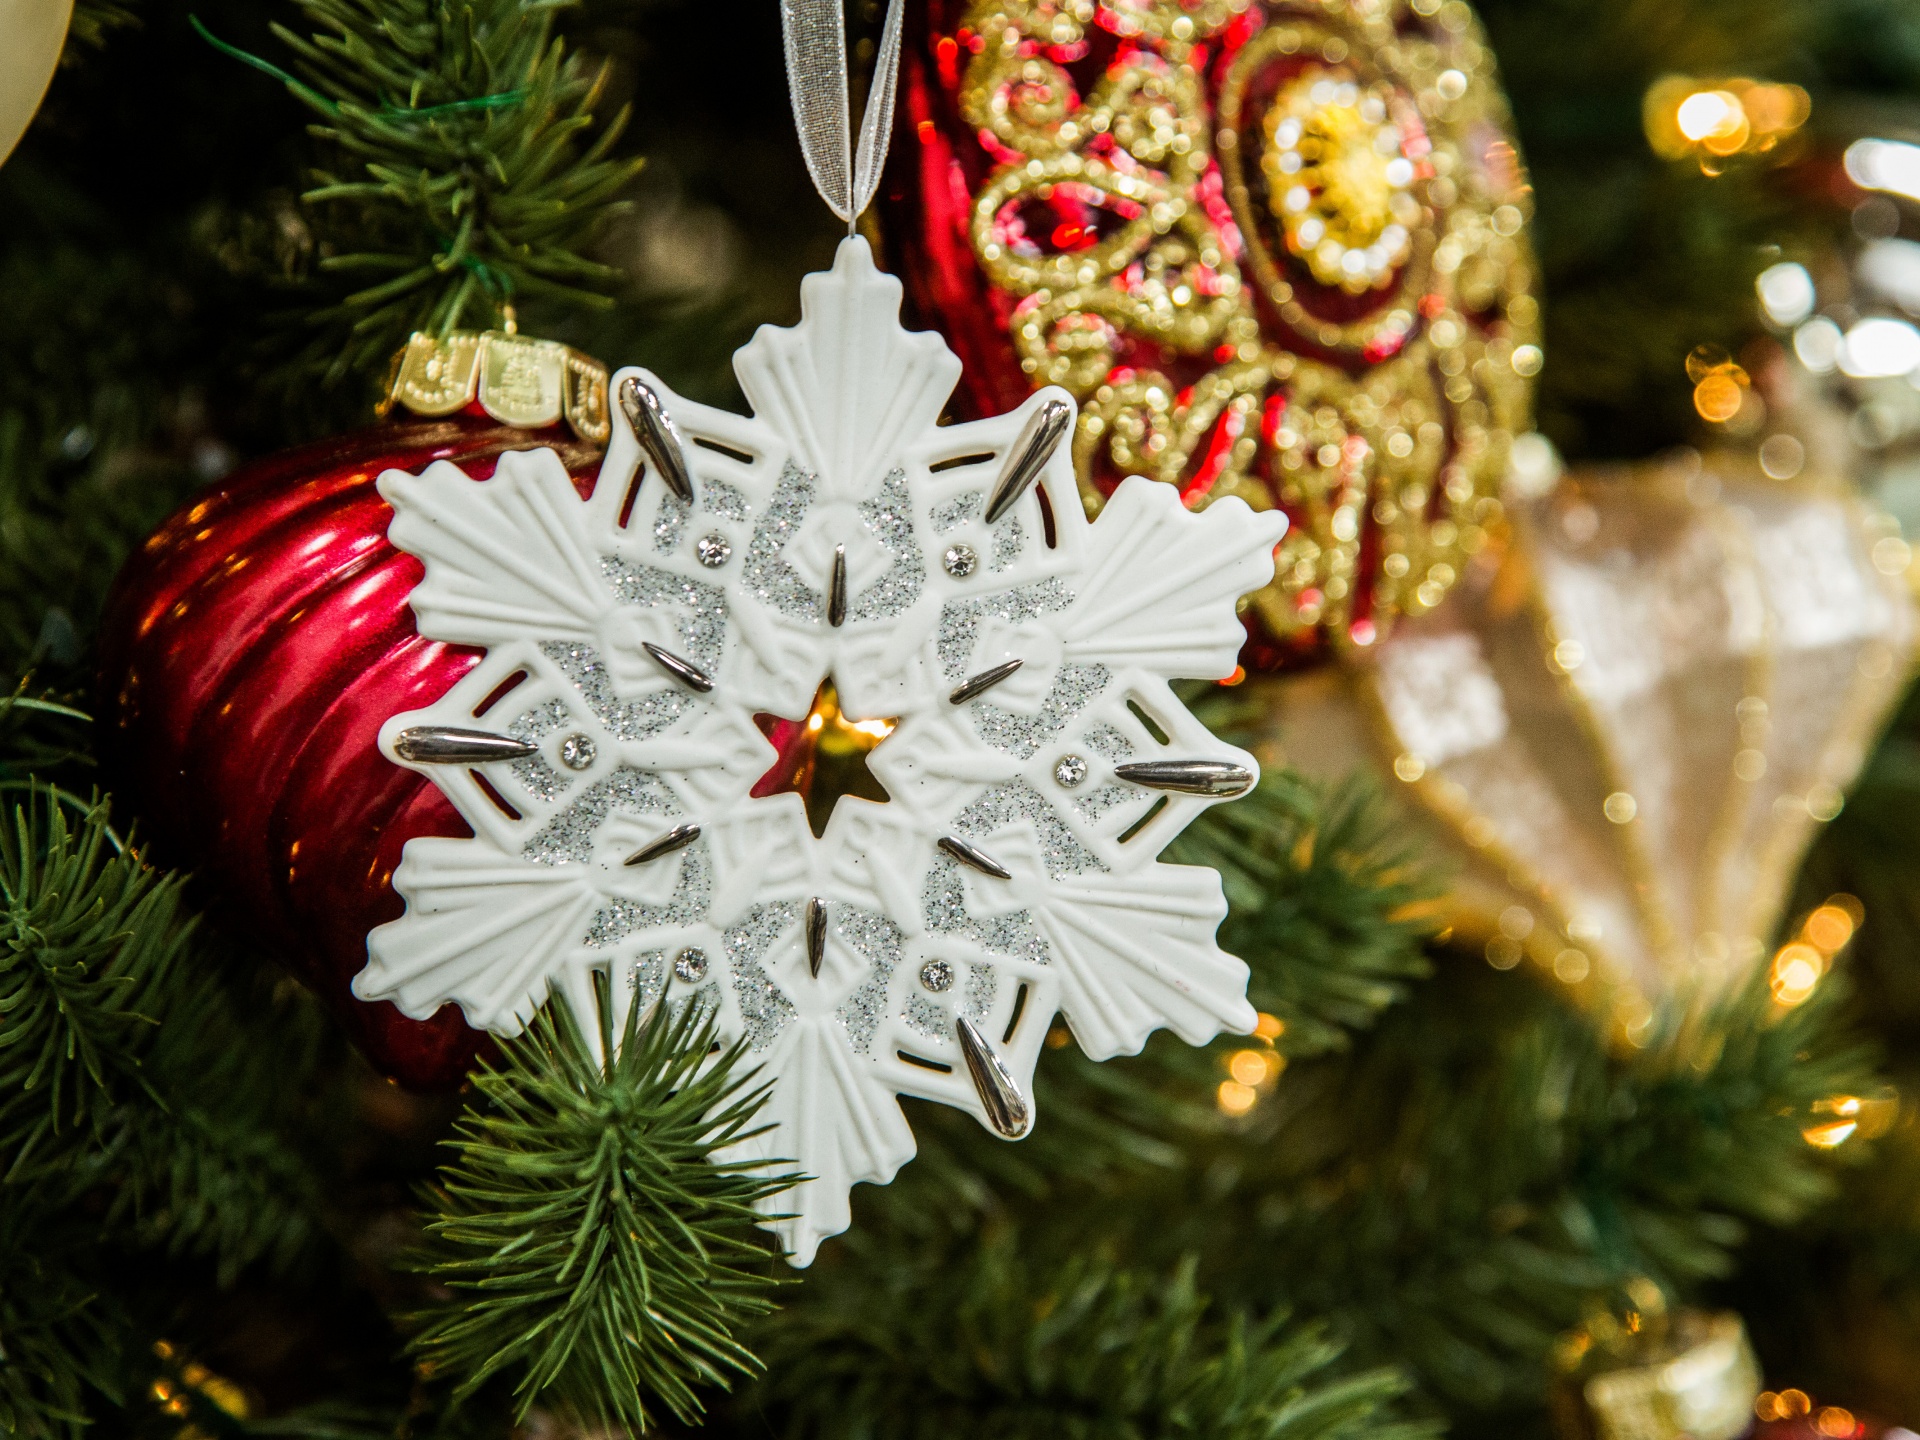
point(446, 745)
point(816, 935)
point(1031, 451)
point(837, 589)
point(971, 855)
point(1006, 1107)
point(1189, 777)
point(979, 684)
point(677, 838)
point(684, 671)
point(659, 437)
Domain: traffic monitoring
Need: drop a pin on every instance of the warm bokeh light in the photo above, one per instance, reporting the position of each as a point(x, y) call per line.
point(1799, 964)
point(1719, 385)
point(1712, 120)
point(1718, 398)
point(1829, 928)
point(1868, 1117)
point(1235, 1098)
point(1269, 1027)
point(1796, 970)
point(1249, 1067)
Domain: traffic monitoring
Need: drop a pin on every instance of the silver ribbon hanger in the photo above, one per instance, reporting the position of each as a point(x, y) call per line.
point(816, 41)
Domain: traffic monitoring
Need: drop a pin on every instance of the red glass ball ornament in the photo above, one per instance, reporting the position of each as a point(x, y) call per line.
point(1274, 250)
point(251, 650)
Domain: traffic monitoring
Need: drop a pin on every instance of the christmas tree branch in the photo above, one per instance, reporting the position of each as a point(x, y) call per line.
point(91, 936)
point(1484, 1173)
point(1015, 1339)
point(466, 169)
point(1328, 897)
point(598, 1247)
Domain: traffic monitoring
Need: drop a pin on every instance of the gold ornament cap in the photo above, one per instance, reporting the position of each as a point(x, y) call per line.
point(1693, 1379)
point(517, 379)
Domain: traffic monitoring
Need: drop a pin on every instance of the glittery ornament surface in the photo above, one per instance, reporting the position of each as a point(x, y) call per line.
point(1277, 250)
point(843, 464)
point(1626, 728)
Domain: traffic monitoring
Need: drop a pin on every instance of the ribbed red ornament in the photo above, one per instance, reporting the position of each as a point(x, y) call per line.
point(250, 652)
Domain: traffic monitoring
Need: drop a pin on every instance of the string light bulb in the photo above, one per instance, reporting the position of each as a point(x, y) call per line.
point(1799, 965)
point(1713, 120)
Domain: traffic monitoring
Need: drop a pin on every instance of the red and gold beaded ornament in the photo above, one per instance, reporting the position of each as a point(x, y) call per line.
point(1275, 251)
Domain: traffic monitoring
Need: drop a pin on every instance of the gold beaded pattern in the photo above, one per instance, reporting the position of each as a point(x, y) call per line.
point(1301, 278)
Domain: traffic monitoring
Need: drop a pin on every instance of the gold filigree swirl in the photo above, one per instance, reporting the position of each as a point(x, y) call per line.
point(1277, 252)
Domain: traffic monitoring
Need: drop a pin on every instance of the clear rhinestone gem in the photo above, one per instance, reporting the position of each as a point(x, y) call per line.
point(960, 561)
point(1070, 770)
point(577, 752)
point(690, 964)
point(937, 975)
point(712, 550)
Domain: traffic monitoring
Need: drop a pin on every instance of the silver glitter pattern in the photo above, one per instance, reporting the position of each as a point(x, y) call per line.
point(960, 619)
point(1013, 800)
point(957, 511)
point(983, 984)
point(539, 779)
point(1108, 742)
point(702, 618)
point(670, 522)
point(648, 977)
point(766, 572)
point(687, 905)
point(536, 776)
point(629, 719)
point(929, 1018)
point(943, 901)
point(764, 1008)
point(1096, 803)
point(568, 837)
point(1021, 736)
point(877, 940)
point(1008, 541)
point(889, 517)
point(717, 497)
point(704, 1002)
point(541, 721)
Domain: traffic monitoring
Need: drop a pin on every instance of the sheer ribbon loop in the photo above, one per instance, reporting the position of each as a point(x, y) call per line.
point(816, 44)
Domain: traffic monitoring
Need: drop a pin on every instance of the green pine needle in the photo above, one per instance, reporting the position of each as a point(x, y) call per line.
point(1328, 903)
point(595, 1247)
point(88, 945)
point(1023, 1341)
point(465, 169)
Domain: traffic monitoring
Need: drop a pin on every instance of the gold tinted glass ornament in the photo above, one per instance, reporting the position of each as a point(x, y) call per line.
point(1629, 721)
point(1276, 252)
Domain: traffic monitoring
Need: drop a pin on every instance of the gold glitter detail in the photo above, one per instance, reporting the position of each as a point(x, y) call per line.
point(1382, 427)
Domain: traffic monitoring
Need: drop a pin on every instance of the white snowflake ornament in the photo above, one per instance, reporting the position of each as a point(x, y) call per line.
point(944, 577)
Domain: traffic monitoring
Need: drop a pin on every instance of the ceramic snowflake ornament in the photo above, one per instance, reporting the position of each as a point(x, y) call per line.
point(946, 579)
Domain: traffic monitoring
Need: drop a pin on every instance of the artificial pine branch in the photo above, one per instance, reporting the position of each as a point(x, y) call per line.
point(1326, 909)
point(466, 168)
point(1021, 1340)
point(597, 1249)
point(1483, 1172)
point(60, 1347)
point(89, 942)
point(1326, 895)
